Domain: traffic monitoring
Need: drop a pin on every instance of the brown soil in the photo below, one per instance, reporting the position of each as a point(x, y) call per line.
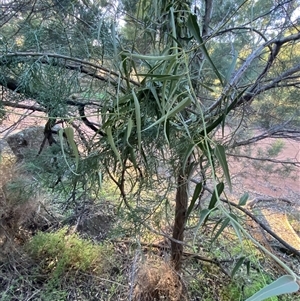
point(247, 176)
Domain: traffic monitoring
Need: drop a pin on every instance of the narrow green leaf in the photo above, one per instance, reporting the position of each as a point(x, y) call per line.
point(206, 87)
point(193, 26)
point(237, 266)
point(132, 158)
point(202, 220)
point(129, 130)
point(162, 77)
point(220, 154)
point(150, 57)
point(61, 140)
point(203, 216)
point(137, 119)
point(235, 224)
point(216, 225)
point(231, 67)
point(166, 90)
point(124, 64)
point(214, 197)
point(100, 179)
point(70, 138)
point(152, 69)
point(122, 100)
point(172, 25)
point(224, 115)
point(180, 106)
point(112, 143)
point(284, 285)
point(158, 102)
point(167, 130)
point(126, 70)
point(196, 194)
point(221, 229)
point(244, 198)
point(187, 154)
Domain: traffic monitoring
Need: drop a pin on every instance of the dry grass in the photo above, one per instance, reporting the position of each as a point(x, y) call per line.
point(19, 204)
point(156, 280)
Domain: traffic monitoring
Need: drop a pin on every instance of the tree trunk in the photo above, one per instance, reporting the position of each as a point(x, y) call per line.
point(180, 219)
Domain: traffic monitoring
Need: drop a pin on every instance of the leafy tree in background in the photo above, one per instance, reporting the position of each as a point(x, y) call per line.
point(147, 98)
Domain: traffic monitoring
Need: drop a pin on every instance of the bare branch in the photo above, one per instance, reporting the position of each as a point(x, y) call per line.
point(221, 32)
point(266, 228)
point(233, 84)
point(265, 159)
point(274, 83)
point(81, 107)
point(271, 133)
point(207, 16)
point(261, 224)
point(23, 106)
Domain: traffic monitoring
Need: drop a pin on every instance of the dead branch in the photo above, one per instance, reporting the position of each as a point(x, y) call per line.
point(257, 200)
point(262, 225)
point(265, 159)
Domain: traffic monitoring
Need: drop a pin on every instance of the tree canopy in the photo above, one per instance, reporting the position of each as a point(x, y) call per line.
point(143, 90)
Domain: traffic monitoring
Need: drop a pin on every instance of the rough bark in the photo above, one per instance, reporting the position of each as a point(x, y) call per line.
point(180, 220)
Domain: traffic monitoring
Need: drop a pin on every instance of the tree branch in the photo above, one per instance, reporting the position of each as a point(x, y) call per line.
point(233, 84)
point(80, 66)
point(276, 132)
point(264, 159)
point(22, 106)
point(261, 224)
point(80, 105)
point(243, 28)
point(207, 16)
point(274, 83)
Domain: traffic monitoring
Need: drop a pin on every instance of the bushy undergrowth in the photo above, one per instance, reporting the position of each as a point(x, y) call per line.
point(60, 253)
point(60, 265)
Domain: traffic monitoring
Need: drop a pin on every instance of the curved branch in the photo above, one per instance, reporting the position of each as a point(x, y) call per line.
point(89, 124)
point(233, 84)
point(277, 132)
point(262, 225)
point(81, 107)
point(243, 28)
point(274, 83)
point(79, 66)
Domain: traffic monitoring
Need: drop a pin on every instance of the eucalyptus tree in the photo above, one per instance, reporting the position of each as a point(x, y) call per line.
point(152, 93)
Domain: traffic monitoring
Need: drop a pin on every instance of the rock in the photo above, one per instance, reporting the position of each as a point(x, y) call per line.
point(27, 139)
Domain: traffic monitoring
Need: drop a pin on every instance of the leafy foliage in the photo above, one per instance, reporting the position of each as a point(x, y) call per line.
point(142, 104)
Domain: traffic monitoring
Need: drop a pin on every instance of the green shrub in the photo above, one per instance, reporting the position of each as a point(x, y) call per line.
point(62, 253)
